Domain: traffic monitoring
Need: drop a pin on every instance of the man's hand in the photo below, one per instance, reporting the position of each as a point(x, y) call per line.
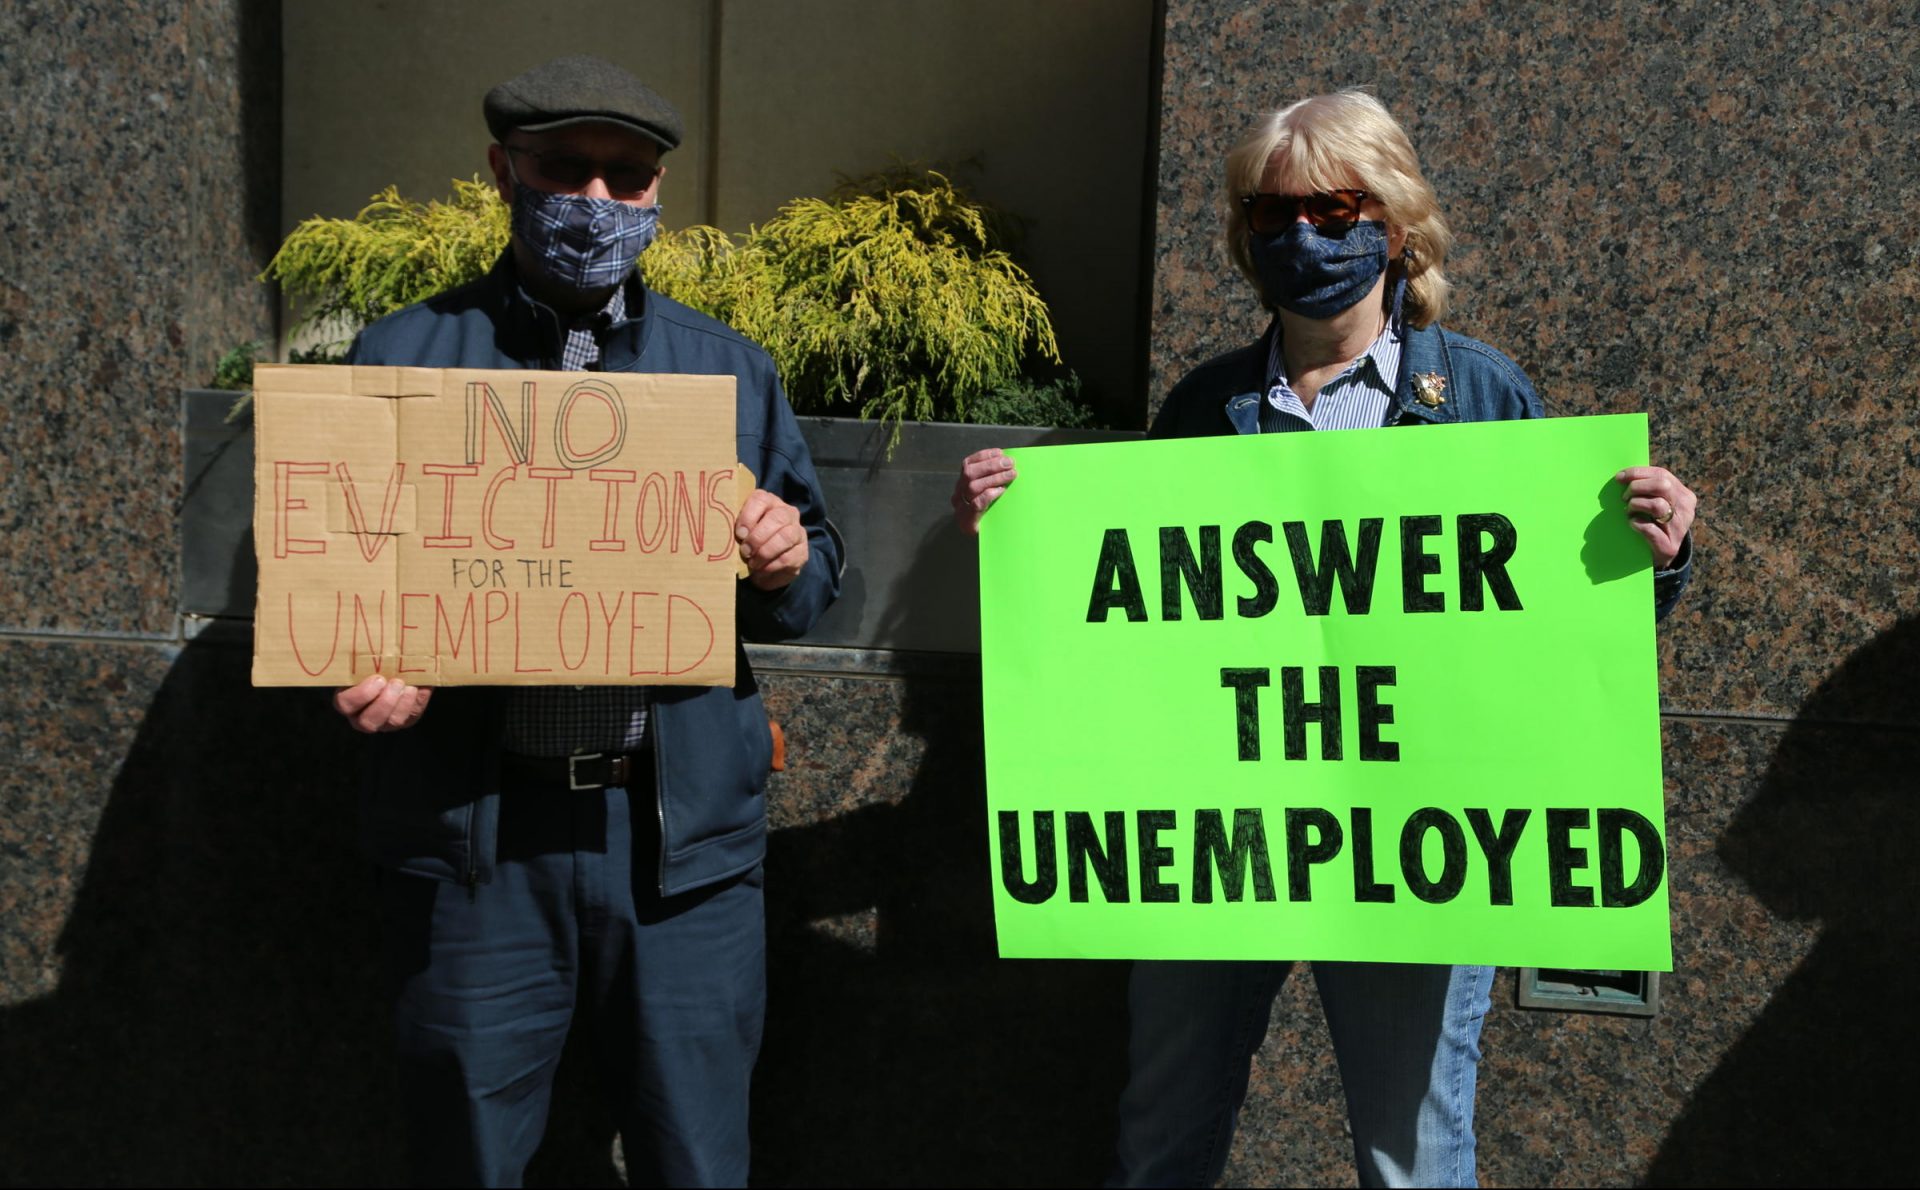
point(1660, 508)
point(382, 704)
point(772, 540)
point(983, 476)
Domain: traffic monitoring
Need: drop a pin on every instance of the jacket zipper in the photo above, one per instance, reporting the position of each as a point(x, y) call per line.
point(473, 869)
point(659, 789)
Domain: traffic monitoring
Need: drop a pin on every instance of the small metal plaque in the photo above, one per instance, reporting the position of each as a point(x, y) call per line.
point(1626, 993)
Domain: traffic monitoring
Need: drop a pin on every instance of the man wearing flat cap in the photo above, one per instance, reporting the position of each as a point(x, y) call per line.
point(555, 851)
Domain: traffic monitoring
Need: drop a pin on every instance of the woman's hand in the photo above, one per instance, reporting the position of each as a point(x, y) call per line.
point(983, 476)
point(382, 704)
point(1660, 508)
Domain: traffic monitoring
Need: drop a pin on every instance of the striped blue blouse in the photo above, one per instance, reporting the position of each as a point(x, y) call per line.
point(1355, 399)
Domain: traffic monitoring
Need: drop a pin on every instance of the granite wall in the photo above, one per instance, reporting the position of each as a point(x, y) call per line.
point(1707, 212)
point(188, 960)
point(138, 193)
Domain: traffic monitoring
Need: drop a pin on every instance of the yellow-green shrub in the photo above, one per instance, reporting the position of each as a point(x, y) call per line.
point(343, 273)
point(893, 298)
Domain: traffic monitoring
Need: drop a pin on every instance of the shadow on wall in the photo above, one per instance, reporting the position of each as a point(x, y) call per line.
point(900, 1049)
point(1819, 1091)
point(217, 1019)
point(220, 1017)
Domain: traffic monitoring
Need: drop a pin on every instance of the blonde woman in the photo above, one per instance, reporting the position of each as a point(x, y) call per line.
point(1330, 220)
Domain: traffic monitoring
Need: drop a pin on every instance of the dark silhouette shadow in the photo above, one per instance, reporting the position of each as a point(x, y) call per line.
point(218, 1015)
point(1818, 1091)
point(1610, 550)
point(910, 1054)
point(221, 1016)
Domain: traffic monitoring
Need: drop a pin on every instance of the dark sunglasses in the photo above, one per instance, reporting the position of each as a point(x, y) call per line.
point(625, 179)
point(1270, 213)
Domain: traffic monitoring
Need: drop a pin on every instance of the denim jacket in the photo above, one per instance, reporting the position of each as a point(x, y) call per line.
point(1223, 395)
point(431, 794)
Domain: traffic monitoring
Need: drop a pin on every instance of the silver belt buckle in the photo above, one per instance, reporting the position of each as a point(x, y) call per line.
point(573, 779)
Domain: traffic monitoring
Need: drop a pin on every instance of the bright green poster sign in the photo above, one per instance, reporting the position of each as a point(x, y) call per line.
point(1345, 695)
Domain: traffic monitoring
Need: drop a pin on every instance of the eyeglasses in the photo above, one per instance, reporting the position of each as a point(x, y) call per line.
point(571, 171)
point(1269, 213)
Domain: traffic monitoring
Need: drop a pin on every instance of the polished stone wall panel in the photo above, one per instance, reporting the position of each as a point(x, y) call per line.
point(1703, 212)
point(189, 988)
point(129, 242)
point(1776, 1054)
point(892, 1027)
point(183, 901)
point(1707, 211)
point(68, 708)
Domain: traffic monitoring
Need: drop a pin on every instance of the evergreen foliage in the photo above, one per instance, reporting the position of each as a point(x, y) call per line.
point(894, 298)
point(1028, 402)
point(234, 371)
point(348, 272)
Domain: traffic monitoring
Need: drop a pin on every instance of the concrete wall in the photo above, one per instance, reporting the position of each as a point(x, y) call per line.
point(1050, 101)
point(1705, 212)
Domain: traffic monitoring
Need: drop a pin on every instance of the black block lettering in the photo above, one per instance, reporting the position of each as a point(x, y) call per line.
point(1366, 889)
point(1336, 563)
point(1297, 712)
point(1373, 712)
point(1563, 859)
point(1046, 876)
point(1202, 577)
point(1266, 589)
point(1153, 857)
point(1498, 847)
point(1246, 685)
point(1301, 854)
point(1615, 892)
point(1416, 563)
point(1482, 565)
point(1453, 855)
point(1248, 851)
point(1115, 581)
point(1109, 862)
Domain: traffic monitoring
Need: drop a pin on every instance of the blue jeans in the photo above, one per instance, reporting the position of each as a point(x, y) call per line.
point(487, 983)
point(1407, 1037)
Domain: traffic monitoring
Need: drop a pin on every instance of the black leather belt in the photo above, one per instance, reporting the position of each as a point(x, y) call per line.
point(589, 770)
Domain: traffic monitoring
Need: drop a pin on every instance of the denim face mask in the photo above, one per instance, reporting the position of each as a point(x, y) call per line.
point(1316, 276)
point(580, 243)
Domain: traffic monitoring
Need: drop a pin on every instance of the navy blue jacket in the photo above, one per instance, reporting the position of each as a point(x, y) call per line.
point(431, 793)
point(1223, 395)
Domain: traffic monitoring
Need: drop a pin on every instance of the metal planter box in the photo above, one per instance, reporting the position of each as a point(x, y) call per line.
point(912, 578)
point(217, 570)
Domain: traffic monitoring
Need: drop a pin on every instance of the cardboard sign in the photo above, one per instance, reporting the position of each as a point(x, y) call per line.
point(1372, 695)
point(466, 527)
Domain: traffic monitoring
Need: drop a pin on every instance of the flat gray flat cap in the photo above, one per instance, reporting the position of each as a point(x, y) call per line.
point(576, 90)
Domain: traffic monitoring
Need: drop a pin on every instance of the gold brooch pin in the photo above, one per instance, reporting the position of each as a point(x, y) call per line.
point(1427, 388)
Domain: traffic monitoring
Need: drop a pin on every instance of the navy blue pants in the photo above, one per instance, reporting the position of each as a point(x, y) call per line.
point(488, 981)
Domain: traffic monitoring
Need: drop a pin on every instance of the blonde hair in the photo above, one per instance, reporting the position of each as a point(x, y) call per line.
point(1336, 141)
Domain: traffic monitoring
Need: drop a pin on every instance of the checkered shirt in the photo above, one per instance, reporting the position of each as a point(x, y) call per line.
point(569, 720)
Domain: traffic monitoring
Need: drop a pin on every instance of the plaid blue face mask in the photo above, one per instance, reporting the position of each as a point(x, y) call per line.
point(581, 243)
